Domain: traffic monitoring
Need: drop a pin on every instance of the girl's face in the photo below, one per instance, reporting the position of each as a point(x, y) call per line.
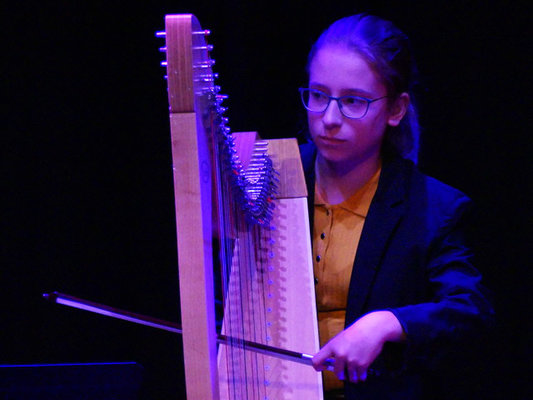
point(338, 71)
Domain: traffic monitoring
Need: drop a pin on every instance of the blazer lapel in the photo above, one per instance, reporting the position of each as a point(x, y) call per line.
point(386, 211)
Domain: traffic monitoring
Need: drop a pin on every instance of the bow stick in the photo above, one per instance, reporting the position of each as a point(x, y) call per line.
point(70, 301)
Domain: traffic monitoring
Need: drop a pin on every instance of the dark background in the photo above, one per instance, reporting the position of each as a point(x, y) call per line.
point(87, 172)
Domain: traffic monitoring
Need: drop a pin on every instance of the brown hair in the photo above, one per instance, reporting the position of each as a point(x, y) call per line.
point(386, 48)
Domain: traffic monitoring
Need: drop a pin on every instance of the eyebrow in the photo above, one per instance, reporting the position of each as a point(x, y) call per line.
point(360, 92)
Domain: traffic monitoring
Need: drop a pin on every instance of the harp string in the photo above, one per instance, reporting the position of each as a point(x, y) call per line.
point(244, 266)
point(231, 262)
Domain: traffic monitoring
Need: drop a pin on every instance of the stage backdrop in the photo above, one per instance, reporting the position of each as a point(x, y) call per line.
point(87, 169)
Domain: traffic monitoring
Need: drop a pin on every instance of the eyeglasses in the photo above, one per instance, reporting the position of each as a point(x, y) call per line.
point(354, 107)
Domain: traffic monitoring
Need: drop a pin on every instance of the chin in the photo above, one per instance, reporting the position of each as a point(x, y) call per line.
point(334, 155)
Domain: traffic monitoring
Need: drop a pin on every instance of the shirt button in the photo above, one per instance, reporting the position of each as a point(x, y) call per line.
point(318, 258)
point(322, 236)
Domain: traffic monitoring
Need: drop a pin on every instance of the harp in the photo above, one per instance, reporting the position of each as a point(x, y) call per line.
point(240, 208)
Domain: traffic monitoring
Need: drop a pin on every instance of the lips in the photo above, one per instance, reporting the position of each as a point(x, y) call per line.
point(330, 140)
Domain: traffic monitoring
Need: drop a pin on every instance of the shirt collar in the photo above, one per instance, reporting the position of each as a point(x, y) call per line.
point(359, 202)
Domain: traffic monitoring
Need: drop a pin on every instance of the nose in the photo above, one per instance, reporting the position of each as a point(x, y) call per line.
point(332, 116)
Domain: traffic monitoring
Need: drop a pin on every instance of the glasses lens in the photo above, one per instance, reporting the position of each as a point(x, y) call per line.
point(353, 106)
point(350, 106)
point(314, 100)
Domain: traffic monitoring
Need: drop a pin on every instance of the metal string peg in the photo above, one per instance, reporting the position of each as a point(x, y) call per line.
point(208, 47)
point(205, 32)
point(205, 64)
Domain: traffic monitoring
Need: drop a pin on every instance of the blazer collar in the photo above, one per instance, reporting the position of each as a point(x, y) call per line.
point(386, 210)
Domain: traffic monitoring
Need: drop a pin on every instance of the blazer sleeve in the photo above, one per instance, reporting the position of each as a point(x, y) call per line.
point(456, 309)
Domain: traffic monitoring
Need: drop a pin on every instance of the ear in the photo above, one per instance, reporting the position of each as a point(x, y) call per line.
point(398, 109)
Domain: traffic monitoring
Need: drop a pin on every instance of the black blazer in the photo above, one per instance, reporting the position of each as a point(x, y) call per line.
point(413, 259)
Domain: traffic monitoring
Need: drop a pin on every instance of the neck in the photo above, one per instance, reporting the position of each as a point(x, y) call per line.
point(337, 182)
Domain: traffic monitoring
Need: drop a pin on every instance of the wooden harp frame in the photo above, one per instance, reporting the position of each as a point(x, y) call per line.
point(293, 324)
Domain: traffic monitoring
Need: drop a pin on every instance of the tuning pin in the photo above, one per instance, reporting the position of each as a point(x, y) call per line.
point(206, 78)
point(218, 103)
point(160, 34)
point(206, 32)
point(205, 64)
point(163, 63)
point(208, 47)
point(163, 49)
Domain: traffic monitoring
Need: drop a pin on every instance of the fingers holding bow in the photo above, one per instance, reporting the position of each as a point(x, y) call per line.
point(350, 353)
point(347, 356)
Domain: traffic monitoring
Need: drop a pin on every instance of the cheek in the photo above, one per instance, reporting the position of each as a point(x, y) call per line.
point(313, 122)
point(373, 126)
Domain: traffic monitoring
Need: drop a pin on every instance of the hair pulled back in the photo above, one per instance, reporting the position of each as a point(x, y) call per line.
point(386, 49)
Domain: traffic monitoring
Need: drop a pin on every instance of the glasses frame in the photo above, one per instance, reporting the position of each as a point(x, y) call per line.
point(338, 100)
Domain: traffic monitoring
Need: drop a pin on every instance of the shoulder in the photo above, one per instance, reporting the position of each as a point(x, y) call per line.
point(440, 195)
point(420, 191)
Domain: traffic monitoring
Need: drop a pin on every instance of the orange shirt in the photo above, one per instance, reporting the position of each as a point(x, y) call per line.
point(336, 233)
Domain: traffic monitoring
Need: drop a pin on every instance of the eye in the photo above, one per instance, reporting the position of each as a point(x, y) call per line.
point(318, 95)
point(352, 101)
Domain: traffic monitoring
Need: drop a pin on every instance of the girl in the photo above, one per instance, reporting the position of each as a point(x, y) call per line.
point(396, 290)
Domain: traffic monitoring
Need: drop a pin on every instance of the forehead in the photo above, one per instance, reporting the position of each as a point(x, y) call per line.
point(338, 68)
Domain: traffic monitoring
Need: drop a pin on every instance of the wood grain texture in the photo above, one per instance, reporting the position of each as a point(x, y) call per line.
point(270, 296)
point(194, 232)
point(285, 156)
point(192, 190)
point(180, 70)
point(273, 299)
point(276, 302)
